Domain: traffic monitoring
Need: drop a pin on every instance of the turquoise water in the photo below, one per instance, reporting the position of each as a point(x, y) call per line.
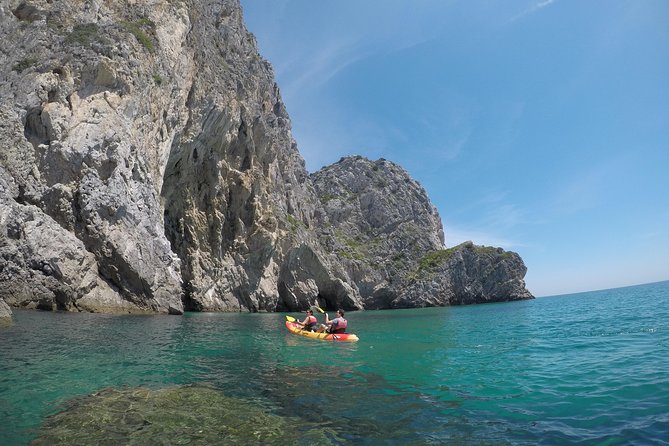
point(589, 368)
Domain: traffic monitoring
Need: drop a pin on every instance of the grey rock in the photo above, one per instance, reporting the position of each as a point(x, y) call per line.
point(45, 267)
point(82, 144)
point(147, 165)
point(5, 313)
point(389, 236)
point(465, 274)
point(152, 136)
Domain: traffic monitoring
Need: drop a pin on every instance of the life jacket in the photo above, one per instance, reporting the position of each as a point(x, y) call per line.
point(311, 323)
point(339, 325)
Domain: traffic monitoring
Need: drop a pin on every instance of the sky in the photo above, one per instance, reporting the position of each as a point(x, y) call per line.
point(540, 126)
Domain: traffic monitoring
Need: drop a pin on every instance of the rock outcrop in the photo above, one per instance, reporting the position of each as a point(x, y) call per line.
point(462, 275)
point(147, 165)
point(389, 237)
point(5, 313)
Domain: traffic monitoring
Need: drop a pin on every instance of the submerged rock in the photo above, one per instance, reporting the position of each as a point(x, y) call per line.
point(195, 415)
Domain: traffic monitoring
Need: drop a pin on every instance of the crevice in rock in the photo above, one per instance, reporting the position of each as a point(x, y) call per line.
point(34, 129)
point(246, 163)
point(21, 197)
point(284, 297)
point(45, 305)
point(62, 300)
point(190, 304)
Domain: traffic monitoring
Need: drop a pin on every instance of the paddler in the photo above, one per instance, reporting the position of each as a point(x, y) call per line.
point(310, 323)
point(336, 325)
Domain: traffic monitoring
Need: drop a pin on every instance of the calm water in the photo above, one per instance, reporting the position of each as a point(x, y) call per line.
point(589, 368)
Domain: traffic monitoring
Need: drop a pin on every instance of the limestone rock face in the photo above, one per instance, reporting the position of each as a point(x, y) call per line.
point(84, 137)
point(147, 165)
point(149, 136)
point(465, 274)
point(239, 206)
point(5, 313)
point(378, 221)
point(389, 236)
point(42, 266)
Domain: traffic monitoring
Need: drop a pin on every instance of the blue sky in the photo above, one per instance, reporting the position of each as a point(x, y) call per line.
point(541, 126)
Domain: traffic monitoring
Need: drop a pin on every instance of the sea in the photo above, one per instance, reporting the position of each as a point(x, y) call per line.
point(587, 369)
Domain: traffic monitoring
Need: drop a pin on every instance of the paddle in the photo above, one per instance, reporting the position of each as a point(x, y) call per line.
point(292, 319)
point(320, 310)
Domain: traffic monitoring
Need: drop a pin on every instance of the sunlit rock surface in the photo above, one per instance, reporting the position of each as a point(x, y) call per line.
point(147, 165)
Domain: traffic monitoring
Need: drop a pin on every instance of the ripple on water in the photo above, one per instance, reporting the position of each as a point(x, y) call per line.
point(582, 369)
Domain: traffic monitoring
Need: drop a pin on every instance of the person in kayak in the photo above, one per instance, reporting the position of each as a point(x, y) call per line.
point(336, 325)
point(310, 323)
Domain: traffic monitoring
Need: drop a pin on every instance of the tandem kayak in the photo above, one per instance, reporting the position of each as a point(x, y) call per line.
point(343, 337)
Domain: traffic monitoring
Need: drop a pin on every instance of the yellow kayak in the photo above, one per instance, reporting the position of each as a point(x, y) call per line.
point(343, 337)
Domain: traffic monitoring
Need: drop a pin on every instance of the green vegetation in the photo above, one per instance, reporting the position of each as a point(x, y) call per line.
point(295, 223)
point(351, 255)
point(356, 248)
point(173, 415)
point(24, 63)
point(433, 259)
point(430, 262)
point(327, 197)
point(83, 34)
point(157, 79)
point(399, 261)
point(139, 29)
point(491, 250)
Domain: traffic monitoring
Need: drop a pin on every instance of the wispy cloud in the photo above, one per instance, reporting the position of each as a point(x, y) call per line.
point(456, 235)
point(507, 216)
point(497, 217)
point(496, 210)
point(327, 62)
point(328, 51)
point(532, 9)
point(585, 190)
point(451, 133)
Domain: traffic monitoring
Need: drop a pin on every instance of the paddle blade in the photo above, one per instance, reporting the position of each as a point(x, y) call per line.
point(320, 310)
point(290, 318)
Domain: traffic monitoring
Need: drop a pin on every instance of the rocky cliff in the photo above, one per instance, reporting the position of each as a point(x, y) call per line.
point(390, 239)
point(147, 165)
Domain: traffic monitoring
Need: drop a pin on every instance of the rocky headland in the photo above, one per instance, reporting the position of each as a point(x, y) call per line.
point(147, 165)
